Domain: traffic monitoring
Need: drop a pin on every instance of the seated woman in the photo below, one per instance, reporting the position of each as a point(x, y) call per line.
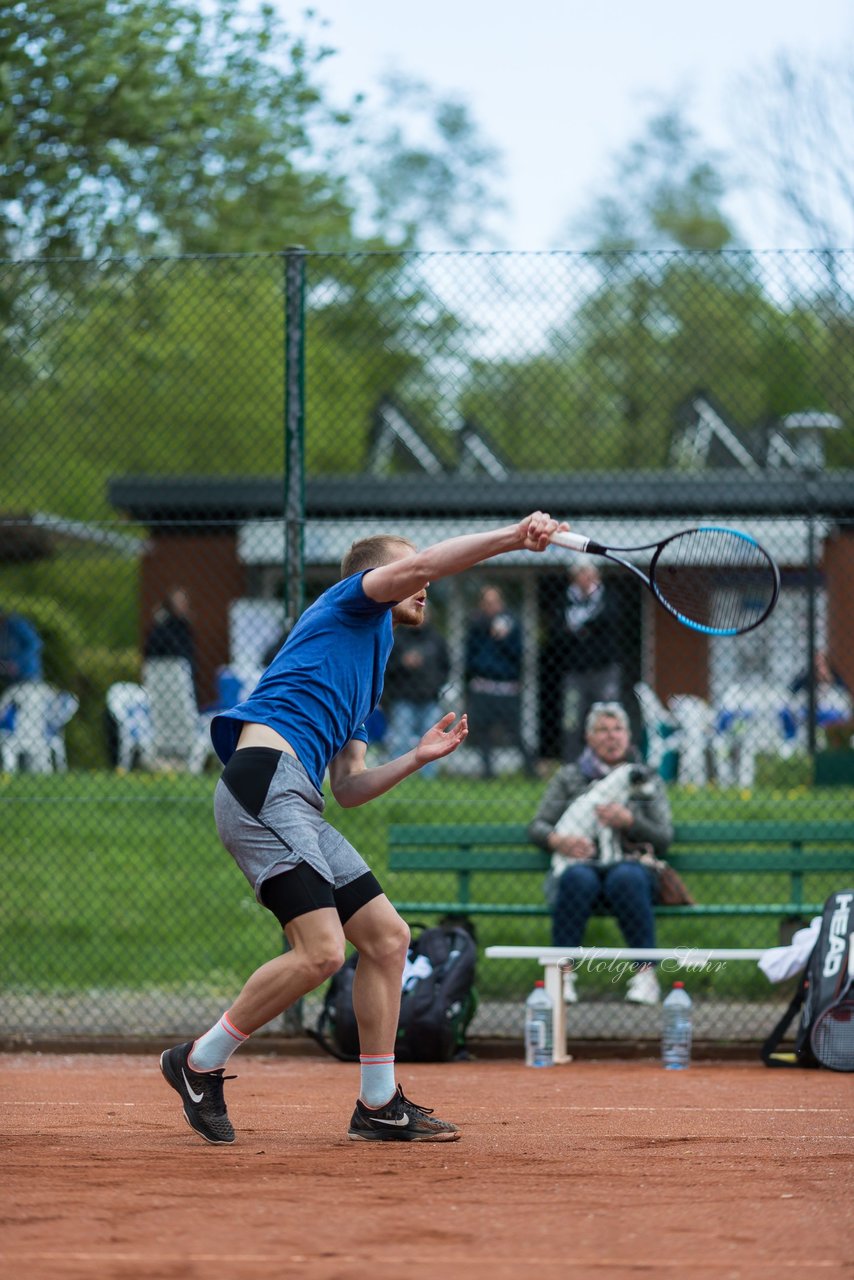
point(596, 817)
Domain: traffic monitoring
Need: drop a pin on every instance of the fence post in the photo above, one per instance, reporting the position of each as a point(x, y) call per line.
point(294, 496)
point(294, 432)
point(811, 625)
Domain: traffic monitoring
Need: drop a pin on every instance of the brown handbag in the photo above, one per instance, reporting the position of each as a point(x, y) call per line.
point(672, 889)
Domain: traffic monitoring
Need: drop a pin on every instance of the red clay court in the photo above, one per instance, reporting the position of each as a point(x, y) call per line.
point(594, 1169)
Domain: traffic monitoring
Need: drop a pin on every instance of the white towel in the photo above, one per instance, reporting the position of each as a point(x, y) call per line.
point(783, 962)
point(420, 967)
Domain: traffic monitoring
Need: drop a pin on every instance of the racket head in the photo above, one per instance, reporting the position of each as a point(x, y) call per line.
point(715, 580)
point(832, 1037)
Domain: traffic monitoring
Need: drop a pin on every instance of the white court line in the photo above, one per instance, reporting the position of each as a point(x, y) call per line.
point(803, 1265)
point(557, 1106)
point(574, 1106)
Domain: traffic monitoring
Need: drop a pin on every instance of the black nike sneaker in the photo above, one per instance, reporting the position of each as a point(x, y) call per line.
point(201, 1093)
point(399, 1121)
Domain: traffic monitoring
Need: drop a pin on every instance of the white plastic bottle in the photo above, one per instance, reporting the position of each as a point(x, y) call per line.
point(539, 1028)
point(676, 1029)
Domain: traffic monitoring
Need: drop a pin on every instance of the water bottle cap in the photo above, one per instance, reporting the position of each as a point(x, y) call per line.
point(539, 983)
point(679, 984)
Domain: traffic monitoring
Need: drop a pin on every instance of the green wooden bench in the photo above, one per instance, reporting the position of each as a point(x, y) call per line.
point(472, 851)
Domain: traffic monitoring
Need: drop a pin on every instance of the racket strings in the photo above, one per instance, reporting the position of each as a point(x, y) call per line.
point(832, 1037)
point(716, 579)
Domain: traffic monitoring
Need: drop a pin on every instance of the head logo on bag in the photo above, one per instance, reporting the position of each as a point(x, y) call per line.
point(825, 997)
point(838, 938)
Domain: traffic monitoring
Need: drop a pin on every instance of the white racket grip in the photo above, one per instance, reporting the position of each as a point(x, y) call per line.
point(575, 541)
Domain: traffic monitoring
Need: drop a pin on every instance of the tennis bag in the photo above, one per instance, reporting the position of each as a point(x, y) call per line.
point(825, 997)
point(435, 1009)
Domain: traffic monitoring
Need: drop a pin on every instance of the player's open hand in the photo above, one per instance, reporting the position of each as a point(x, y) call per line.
point(535, 531)
point(444, 737)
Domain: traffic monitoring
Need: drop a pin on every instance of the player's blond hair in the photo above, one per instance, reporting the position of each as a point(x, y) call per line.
point(369, 553)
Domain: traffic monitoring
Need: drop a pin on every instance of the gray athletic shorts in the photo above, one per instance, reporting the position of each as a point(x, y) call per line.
point(287, 826)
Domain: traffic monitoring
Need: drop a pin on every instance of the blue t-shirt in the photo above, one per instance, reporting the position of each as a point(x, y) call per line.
point(323, 683)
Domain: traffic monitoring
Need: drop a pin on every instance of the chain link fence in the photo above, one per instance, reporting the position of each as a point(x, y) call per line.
point(190, 445)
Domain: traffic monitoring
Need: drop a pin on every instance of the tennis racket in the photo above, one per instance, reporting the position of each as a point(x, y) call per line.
point(832, 1037)
point(711, 579)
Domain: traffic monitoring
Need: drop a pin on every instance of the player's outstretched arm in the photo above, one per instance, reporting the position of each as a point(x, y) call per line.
point(404, 577)
point(352, 784)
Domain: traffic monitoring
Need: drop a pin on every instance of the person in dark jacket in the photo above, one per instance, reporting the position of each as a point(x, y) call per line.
point(416, 673)
point(605, 870)
point(588, 650)
point(493, 673)
point(171, 633)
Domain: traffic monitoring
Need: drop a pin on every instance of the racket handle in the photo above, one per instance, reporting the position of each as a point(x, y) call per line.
point(575, 541)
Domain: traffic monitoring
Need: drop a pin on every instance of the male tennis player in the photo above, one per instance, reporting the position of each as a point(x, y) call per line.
point(305, 716)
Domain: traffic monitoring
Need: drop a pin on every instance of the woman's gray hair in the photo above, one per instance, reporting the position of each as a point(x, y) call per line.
point(612, 710)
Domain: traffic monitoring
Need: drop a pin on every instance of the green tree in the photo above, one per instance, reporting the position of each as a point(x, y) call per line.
point(602, 390)
point(142, 125)
point(663, 305)
point(665, 191)
point(176, 367)
point(154, 126)
point(427, 177)
point(797, 149)
point(657, 327)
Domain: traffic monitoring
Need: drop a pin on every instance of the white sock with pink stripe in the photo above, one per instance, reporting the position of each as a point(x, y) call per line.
point(213, 1050)
point(377, 1078)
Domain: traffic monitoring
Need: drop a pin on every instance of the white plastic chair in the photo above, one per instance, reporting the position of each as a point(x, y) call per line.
point(127, 703)
point(695, 718)
point(36, 737)
point(179, 731)
point(749, 722)
point(663, 737)
point(61, 708)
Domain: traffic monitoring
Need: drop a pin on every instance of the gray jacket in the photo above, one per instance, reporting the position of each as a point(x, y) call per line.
point(652, 824)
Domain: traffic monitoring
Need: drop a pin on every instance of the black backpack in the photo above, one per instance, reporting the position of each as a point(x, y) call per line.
point(435, 1010)
point(825, 997)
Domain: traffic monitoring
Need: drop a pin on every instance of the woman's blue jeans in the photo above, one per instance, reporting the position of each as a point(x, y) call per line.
point(627, 890)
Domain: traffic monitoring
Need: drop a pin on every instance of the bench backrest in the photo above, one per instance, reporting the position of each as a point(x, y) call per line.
point(697, 847)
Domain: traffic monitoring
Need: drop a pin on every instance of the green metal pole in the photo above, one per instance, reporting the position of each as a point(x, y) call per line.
point(812, 589)
point(294, 433)
point(294, 495)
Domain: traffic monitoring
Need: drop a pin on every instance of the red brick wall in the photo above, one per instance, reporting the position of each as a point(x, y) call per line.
point(681, 658)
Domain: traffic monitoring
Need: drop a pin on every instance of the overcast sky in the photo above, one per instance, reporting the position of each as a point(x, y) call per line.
point(559, 86)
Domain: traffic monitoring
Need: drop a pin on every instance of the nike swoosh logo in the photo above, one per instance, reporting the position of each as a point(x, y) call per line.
point(399, 1124)
point(197, 1097)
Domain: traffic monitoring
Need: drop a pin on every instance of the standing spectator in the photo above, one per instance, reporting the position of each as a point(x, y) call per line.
point(417, 672)
point(588, 650)
point(834, 707)
point(626, 813)
point(493, 673)
point(171, 633)
point(20, 650)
